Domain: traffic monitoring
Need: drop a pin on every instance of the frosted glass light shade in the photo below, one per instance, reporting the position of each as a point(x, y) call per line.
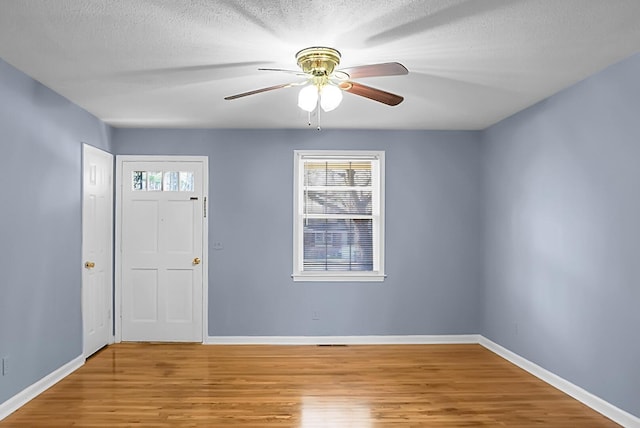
point(308, 98)
point(330, 98)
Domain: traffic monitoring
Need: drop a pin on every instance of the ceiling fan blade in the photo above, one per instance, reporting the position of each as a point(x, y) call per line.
point(257, 91)
point(296, 72)
point(373, 70)
point(372, 93)
point(185, 75)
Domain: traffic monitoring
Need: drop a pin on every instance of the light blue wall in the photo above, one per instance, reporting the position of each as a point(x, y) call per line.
point(562, 230)
point(432, 219)
point(41, 135)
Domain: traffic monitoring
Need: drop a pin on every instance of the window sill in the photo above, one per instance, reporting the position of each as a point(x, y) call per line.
point(341, 277)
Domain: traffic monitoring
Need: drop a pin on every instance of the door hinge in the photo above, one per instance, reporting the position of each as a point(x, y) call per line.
point(205, 207)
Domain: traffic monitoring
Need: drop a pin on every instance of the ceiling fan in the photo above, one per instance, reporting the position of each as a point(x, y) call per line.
point(323, 84)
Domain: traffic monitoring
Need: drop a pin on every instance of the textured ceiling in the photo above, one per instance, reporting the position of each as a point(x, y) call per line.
point(170, 63)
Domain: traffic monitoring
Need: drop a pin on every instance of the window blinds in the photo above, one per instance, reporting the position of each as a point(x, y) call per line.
point(339, 211)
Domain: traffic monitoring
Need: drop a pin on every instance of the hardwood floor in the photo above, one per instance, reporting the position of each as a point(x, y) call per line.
point(173, 385)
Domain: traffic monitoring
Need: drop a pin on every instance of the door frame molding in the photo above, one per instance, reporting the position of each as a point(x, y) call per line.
point(88, 147)
point(120, 159)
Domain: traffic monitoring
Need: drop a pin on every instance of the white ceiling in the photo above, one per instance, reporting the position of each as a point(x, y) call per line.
point(170, 63)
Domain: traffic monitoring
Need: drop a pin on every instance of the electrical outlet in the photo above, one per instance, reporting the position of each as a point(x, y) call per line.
point(315, 315)
point(5, 366)
point(218, 246)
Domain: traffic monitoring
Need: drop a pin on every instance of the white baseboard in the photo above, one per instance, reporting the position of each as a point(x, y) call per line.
point(342, 340)
point(32, 391)
point(596, 403)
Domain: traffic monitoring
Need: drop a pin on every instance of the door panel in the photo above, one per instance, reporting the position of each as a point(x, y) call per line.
point(144, 289)
point(180, 233)
point(180, 295)
point(97, 251)
point(143, 231)
point(162, 237)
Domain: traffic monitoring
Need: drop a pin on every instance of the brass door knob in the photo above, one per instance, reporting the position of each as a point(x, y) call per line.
point(196, 261)
point(89, 265)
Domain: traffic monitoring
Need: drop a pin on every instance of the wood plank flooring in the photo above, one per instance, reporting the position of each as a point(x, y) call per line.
point(193, 385)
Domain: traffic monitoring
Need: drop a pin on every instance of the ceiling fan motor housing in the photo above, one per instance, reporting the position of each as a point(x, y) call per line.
point(318, 61)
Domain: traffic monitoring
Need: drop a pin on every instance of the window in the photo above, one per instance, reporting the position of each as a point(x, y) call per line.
point(173, 181)
point(338, 216)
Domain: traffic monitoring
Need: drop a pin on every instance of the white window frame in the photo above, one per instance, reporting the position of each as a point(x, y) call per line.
point(378, 273)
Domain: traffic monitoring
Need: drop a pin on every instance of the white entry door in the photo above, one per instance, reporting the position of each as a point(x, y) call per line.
point(162, 222)
point(97, 253)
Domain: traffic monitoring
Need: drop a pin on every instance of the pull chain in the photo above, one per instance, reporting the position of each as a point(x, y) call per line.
point(318, 110)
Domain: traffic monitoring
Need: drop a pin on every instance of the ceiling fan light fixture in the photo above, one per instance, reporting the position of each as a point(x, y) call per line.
point(330, 97)
point(308, 98)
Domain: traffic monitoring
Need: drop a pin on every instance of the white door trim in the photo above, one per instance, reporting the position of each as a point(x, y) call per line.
point(120, 159)
point(110, 250)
